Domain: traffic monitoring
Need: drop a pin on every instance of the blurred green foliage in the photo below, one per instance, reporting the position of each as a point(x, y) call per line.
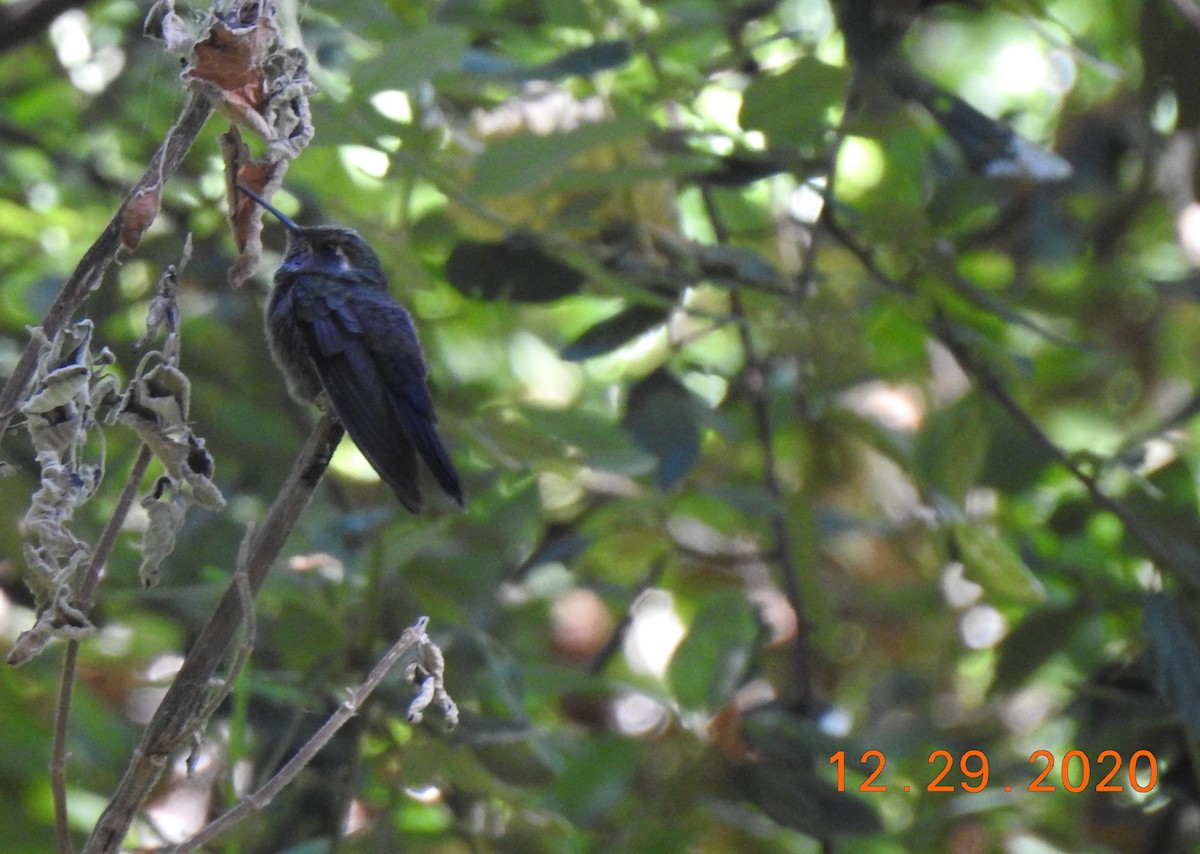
point(750, 376)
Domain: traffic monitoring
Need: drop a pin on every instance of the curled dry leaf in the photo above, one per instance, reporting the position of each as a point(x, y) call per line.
point(239, 64)
point(139, 213)
point(427, 674)
point(261, 176)
point(70, 393)
point(156, 407)
point(60, 618)
point(164, 309)
point(228, 63)
point(166, 509)
point(164, 24)
point(287, 109)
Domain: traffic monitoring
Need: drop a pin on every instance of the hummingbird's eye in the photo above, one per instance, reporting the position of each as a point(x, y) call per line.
point(333, 250)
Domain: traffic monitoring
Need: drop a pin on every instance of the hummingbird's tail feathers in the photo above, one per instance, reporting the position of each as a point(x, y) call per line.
point(360, 402)
point(423, 432)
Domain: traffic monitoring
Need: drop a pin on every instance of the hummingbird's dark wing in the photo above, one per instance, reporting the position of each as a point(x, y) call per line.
point(366, 352)
point(391, 339)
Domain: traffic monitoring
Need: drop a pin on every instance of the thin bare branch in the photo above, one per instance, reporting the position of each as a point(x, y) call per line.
point(90, 271)
point(425, 659)
point(783, 548)
point(178, 715)
point(62, 714)
point(1161, 550)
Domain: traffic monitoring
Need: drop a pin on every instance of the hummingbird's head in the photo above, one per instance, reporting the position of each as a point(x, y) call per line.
point(331, 250)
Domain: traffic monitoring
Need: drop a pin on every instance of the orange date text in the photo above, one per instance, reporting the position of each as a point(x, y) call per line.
point(1074, 772)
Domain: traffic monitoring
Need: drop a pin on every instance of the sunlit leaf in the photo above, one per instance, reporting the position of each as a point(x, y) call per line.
point(951, 448)
point(793, 108)
point(525, 162)
point(994, 565)
point(714, 657)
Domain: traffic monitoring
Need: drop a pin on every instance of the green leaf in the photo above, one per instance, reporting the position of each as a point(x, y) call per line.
point(517, 761)
point(713, 659)
point(594, 434)
point(598, 778)
point(583, 61)
point(898, 339)
point(1175, 652)
point(735, 266)
point(613, 332)
point(793, 108)
point(580, 62)
point(798, 798)
point(995, 566)
point(661, 417)
point(1166, 502)
point(1033, 642)
point(952, 447)
point(413, 56)
point(784, 782)
point(526, 162)
point(1013, 463)
point(515, 269)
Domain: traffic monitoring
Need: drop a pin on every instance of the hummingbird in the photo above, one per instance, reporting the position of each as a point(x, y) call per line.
point(337, 333)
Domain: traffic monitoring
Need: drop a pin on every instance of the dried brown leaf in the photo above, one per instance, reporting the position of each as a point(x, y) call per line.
point(156, 407)
point(245, 217)
point(139, 213)
point(228, 64)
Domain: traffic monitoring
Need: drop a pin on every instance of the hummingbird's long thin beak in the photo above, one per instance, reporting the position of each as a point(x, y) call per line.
point(287, 222)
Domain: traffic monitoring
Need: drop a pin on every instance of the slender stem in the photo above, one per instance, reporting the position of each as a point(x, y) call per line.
point(95, 262)
point(1160, 550)
point(108, 537)
point(62, 714)
point(410, 644)
point(58, 754)
point(178, 713)
point(784, 548)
